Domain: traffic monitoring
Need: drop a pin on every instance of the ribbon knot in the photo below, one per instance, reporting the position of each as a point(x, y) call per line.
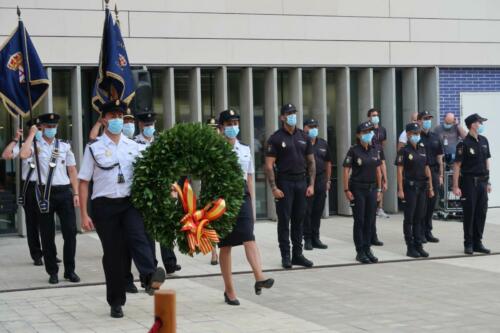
point(195, 222)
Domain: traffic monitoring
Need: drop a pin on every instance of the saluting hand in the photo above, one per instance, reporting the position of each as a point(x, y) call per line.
point(87, 223)
point(310, 191)
point(277, 193)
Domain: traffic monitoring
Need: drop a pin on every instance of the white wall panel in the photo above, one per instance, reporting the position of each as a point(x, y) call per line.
point(337, 7)
point(58, 4)
point(483, 9)
point(455, 30)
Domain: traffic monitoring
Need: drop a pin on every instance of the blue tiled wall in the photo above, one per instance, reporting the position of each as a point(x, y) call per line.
point(452, 81)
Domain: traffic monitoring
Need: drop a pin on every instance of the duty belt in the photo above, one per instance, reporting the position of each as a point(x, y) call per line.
point(292, 177)
point(21, 200)
point(363, 186)
point(43, 199)
point(478, 179)
point(418, 184)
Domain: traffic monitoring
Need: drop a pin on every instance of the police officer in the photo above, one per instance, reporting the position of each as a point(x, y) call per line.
point(108, 162)
point(362, 187)
point(316, 203)
point(58, 194)
point(471, 182)
point(145, 138)
point(414, 185)
point(290, 150)
point(434, 150)
point(128, 124)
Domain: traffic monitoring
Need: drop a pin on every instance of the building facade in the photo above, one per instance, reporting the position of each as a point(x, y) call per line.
point(333, 59)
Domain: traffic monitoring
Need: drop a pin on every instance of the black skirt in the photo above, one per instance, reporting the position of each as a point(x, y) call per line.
point(243, 229)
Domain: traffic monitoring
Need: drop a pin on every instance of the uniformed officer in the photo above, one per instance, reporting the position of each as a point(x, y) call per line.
point(128, 124)
point(145, 138)
point(434, 150)
point(242, 233)
point(316, 202)
point(362, 187)
point(471, 182)
point(58, 194)
point(108, 162)
point(379, 139)
point(290, 150)
point(414, 185)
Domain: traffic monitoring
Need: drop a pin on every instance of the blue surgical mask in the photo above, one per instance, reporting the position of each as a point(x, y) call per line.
point(291, 119)
point(50, 132)
point(426, 124)
point(313, 132)
point(115, 125)
point(375, 120)
point(129, 129)
point(38, 135)
point(447, 126)
point(480, 129)
point(149, 131)
point(415, 138)
point(367, 137)
point(231, 132)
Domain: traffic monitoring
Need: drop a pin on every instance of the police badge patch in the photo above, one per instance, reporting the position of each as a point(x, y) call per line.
point(410, 157)
point(359, 161)
point(283, 144)
point(472, 152)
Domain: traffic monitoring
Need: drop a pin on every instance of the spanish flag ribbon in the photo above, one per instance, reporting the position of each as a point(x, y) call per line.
point(194, 223)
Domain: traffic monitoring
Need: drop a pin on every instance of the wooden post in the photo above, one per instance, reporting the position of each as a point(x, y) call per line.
point(165, 310)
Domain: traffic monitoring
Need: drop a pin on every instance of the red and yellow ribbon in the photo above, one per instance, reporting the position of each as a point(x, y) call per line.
point(195, 221)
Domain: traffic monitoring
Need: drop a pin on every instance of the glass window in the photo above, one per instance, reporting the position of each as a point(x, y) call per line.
point(7, 176)
point(157, 86)
point(233, 89)
point(259, 143)
point(354, 103)
point(283, 87)
point(182, 107)
point(307, 94)
point(331, 103)
point(208, 94)
point(61, 97)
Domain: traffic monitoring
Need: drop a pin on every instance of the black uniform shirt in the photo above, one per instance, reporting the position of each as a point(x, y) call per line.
point(433, 147)
point(473, 155)
point(363, 163)
point(413, 161)
point(290, 151)
point(380, 135)
point(321, 155)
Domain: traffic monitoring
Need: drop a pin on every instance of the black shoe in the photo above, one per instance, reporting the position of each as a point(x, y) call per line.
point(155, 281)
point(308, 245)
point(481, 249)
point(317, 244)
point(58, 260)
point(53, 279)
point(263, 284)
point(116, 311)
point(468, 249)
point(431, 239)
point(362, 258)
point(38, 262)
point(424, 240)
point(285, 262)
point(421, 251)
point(300, 260)
point(231, 301)
point(370, 256)
point(412, 252)
point(131, 288)
point(377, 242)
point(72, 277)
point(172, 270)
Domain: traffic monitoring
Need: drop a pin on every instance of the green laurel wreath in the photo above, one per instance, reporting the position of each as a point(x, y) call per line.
point(195, 151)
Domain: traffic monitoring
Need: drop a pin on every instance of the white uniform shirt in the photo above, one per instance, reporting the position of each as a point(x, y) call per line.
point(107, 153)
point(25, 164)
point(143, 143)
point(65, 159)
point(403, 138)
point(244, 158)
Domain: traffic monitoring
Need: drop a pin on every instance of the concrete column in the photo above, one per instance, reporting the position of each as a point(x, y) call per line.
point(221, 101)
point(410, 93)
point(48, 102)
point(295, 91)
point(77, 126)
point(388, 118)
point(246, 114)
point(271, 118)
point(195, 94)
point(343, 129)
point(429, 91)
point(319, 109)
point(168, 95)
point(365, 92)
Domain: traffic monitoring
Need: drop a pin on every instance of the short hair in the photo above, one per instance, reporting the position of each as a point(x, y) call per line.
point(369, 113)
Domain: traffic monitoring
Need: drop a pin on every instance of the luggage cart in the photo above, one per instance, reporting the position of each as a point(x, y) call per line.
point(450, 204)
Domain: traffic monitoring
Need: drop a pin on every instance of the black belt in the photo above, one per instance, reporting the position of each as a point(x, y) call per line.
point(477, 179)
point(112, 200)
point(420, 184)
point(363, 186)
point(292, 177)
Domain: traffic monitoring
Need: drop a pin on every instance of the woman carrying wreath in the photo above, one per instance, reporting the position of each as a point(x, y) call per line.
point(243, 229)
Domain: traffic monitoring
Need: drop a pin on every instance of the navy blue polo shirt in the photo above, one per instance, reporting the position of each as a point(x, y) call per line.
point(321, 155)
point(473, 155)
point(363, 163)
point(433, 147)
point(290, 151)
point(413, 160)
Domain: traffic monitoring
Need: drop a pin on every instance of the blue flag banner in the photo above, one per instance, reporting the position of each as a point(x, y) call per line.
point(114, 79)
point(19, 62)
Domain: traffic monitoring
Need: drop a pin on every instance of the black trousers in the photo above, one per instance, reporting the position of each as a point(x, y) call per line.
point(291, 211)
point(120, 228)
point(431, 203)
point(314, 210)
point(414, 212)
point(475, 206)
point(32, 223)
point(364, 212)
point(61, 203)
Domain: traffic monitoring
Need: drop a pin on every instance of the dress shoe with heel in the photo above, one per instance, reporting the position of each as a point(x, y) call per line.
point(420, 249)
point(371, 256)
point(230, 301)
point(72, 277)
point(155, 281)
point(362, 258)
point(412, 252)
point(116, 311)
point(318, 244)
point(481, 249)
point(263, 284)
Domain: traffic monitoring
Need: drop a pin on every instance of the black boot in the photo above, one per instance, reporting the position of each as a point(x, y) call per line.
point(411, 251)
point(430, 238)
point(370, 256)
point(362, 258)
point(479, 247)
point(421, 251)
point(308, 245)
point(317, 244)
point(376, 241)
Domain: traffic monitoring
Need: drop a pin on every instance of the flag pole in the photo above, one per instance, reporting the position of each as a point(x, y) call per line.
point(28, 88)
